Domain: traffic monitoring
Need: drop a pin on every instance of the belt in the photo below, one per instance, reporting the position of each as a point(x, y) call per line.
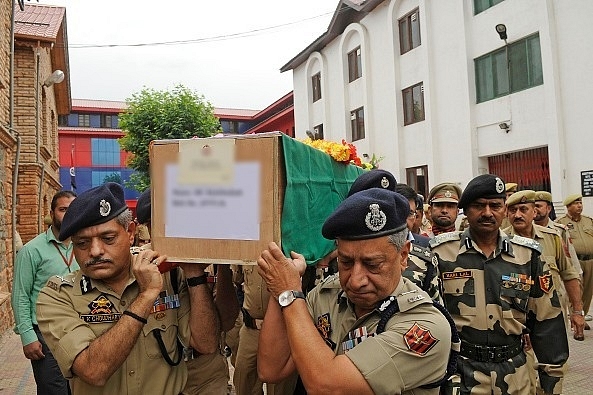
point(252, 323)
point(585, 257)
point(490, 353)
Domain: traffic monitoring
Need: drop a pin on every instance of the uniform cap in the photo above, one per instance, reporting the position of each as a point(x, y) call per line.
point(143, 233)
point(510, 187)
point(525, 196)
point(376, 178)
point(571, 198)
point(367, 214)
point(143, 207)
point(445, 192)
point(487, 186)
point(544, 196)
point(93, 207)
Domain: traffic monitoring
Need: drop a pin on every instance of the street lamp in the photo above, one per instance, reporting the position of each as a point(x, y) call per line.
point(55, 78)
point(501, 29)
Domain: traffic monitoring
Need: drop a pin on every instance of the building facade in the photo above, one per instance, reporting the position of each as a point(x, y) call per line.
point(443, 94)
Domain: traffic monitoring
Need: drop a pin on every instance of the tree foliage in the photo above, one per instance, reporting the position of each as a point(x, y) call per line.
point(162, 115)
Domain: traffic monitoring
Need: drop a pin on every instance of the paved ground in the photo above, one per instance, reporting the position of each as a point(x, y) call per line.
point(17, 378)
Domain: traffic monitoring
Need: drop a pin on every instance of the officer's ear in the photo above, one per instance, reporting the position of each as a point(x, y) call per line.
point(131, 232)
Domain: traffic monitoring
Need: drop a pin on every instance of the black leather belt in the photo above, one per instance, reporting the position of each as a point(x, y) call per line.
point(584, 257)
point(490, 353)
point(250, 322)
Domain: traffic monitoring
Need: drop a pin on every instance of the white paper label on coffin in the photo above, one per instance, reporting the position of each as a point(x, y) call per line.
point(206, 162)
point(206, 211)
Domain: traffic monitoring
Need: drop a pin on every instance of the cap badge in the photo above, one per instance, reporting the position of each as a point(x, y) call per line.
point(375, 220)
point(540, 196)
point(104, 208)
point(499, 185)
point(448, 194)
point(384, 182)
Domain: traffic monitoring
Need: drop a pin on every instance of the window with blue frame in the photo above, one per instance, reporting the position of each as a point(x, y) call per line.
point(106, 152)
point(513, 68)
point(100, 177)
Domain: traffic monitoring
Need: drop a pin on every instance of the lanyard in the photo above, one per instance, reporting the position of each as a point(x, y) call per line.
point(68, 262)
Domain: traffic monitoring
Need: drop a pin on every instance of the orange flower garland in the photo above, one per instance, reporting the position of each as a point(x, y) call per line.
point(344, 152)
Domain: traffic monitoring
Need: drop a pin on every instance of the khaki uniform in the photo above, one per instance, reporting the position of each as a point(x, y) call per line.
point(493, 301)
point(245, 377)
point(75, 310)
point(208, 374)
point(411, 352)
point(422, 271)
point(571, 253)
point(581, 234)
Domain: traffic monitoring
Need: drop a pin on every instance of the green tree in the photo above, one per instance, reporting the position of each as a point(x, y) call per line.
point(113, 177)
point(162, 115)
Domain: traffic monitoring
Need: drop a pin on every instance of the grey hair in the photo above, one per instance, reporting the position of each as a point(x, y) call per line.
point(125, 218)
point(399, 239)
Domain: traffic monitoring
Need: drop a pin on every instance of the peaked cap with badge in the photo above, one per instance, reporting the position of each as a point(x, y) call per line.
point(511, 187)
point(445, 192)
point(571, 198)
point(93, 207)
point(367, 214)
point(485, 186)
point(143, 207)
point(376, 178)
point(525, 196)
point(543, 196)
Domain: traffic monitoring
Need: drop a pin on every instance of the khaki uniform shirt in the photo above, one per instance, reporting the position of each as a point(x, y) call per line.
point(493, 300)
point(570, 252)
point(581, 234)
point(412, 351)
point(74, 310)
point(256, 292)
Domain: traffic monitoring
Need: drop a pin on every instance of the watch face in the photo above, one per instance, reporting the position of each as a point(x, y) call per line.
point(285, 298)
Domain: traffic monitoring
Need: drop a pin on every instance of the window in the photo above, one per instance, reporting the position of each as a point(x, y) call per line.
point(100, 177)
point(318, 132)
point(106, 152)
point(482, 5)
point(513, 68)
point(84, 120)
point(62, 120)
point(316, 86)
point(106, 121)
point(354, 65)
point(357, 124)
point(409, 32)
point(417, 178)
point(413, 104)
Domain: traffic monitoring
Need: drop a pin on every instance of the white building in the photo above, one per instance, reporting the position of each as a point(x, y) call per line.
point(469, 110)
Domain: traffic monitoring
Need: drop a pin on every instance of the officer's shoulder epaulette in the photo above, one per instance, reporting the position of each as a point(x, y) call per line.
point(408, 300)
point(526, 242)
point(332, 281)
point(545, 229)
point(55, 282)
point(559, 225)
point(444, 238)
point(421, 252)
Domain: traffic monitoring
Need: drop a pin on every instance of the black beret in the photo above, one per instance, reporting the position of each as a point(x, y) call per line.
point(375, 178)
point(93, 207)
point(367, 214)
point(143, 207)
point(487, 186)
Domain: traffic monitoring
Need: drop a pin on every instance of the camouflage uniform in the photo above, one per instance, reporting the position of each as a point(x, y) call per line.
point(493, 302)
point(422, 271)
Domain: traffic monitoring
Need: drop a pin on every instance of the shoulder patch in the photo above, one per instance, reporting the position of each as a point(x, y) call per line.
point(55, 282)
point(444, 238)
point(526, 242)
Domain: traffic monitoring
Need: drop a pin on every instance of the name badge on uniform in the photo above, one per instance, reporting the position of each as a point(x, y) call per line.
point(457, 274)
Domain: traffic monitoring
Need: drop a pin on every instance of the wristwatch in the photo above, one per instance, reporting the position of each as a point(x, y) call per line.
point(287, 297)
point(578, 312)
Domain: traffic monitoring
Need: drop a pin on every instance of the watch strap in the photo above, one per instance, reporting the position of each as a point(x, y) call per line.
point(198, 280)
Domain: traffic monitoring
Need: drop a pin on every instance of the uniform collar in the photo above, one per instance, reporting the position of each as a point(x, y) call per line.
point(503, 244)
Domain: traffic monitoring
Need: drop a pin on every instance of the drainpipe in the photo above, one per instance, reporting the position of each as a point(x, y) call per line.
point(15, 170)
point(38, 143)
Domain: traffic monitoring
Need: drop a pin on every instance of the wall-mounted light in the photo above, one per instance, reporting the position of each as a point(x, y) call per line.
point(504, 126)
point(55, 78)
point(501, 29)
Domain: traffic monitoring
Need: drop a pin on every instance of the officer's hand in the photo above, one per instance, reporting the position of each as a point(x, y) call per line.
point(145, 269)
point(577, 322)
point(279, 272)
point(33, 351)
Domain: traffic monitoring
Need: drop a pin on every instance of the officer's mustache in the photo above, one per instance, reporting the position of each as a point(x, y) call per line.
point(95, 261)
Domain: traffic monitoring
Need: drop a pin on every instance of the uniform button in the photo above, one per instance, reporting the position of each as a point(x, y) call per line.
point(488, 289)
point(131, 372)
point(123, 302)
point(490, 316)
point(457, 290)
point(163, 327)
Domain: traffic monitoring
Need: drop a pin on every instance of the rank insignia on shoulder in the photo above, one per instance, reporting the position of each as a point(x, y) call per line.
point(545, 283)
point(101, 310)
point(419, 340)
point(444, 237)
point(527, 242)
point(55, 282)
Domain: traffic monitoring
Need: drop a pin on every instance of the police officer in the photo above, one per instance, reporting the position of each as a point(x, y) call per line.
point(580, 228)
point(492, 288)
point(117, 326)
point(347, 337)
point(566, 280)
point(443, 199)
